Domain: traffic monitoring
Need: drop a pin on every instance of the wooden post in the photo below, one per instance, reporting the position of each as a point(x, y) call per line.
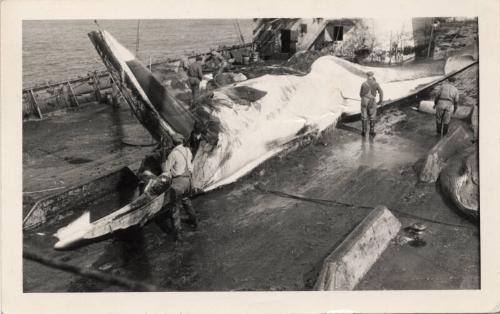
point(35, 105)
point(430, 40)
point(73, 94)
point(97, 90)
point(137, 39)
point(390, 49)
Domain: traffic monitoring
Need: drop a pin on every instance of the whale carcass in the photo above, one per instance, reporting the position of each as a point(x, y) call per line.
point(248, 132)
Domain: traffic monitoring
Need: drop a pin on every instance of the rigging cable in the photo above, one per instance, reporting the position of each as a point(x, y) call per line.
point(238, 29)
point(335, 202)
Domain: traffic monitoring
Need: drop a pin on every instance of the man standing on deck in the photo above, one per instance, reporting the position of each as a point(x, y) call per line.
point(368, 94)
point(445, 103)
point(195, 75)
point(179, 166)
point(220, 62)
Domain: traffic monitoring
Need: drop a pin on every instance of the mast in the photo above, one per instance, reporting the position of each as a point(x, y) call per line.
point(137, 38)
point(238, 29)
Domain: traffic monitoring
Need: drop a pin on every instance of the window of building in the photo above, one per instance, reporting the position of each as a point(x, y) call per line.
point(303, 28)
point(335, 32)
point(338, 33)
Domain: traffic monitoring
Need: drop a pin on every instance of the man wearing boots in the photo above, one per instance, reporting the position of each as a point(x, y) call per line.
point(179, 166)
point(445, 103)
point(368, 94)
point(195, 75)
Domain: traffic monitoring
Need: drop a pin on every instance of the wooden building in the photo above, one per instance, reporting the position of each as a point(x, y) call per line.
point(383, 40)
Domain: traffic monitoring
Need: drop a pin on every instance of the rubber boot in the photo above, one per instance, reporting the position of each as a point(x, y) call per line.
point(164, 222)
point(372, 128)
point(445, 129)
point(176, 221)
point(188, 207)
point(363, 127)
point(438, 128)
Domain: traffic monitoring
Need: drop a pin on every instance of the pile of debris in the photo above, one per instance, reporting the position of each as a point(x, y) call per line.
point(450, 36)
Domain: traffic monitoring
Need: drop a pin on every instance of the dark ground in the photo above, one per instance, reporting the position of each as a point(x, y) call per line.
point(250, 240)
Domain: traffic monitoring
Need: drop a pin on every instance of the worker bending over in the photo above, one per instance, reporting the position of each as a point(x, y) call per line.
point(179, 166)
point(445, 103)
point(368, 94)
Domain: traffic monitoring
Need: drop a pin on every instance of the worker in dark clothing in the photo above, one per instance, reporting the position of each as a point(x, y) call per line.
point(368, 94)
point(445, 103)
point(220, 62)
point(178, 167)
point(195, 75)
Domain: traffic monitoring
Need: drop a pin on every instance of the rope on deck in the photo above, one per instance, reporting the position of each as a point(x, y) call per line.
point(327, 202)
point(87, 272)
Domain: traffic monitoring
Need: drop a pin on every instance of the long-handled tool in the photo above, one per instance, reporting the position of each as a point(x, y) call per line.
point(442, 124)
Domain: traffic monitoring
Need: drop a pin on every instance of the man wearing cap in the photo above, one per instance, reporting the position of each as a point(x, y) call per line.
point(368, 94)
point(179, 167)
point(445, 103)
point(195, 75)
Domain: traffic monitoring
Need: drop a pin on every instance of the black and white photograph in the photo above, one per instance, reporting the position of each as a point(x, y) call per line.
point(252, 154)
point(264, 154)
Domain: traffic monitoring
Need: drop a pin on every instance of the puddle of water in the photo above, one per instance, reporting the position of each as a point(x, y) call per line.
point(414, 233)
point(77, 160)
point(417, 243)
point(381, 151)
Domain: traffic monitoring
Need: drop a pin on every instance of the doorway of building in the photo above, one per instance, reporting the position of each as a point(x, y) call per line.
point(288, 41)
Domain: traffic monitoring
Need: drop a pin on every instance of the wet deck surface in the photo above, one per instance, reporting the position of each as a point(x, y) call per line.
point(250, 240)
point(67, 150)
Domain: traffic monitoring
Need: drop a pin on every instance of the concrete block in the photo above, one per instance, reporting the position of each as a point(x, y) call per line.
point(455, 141)
point(344, 268)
